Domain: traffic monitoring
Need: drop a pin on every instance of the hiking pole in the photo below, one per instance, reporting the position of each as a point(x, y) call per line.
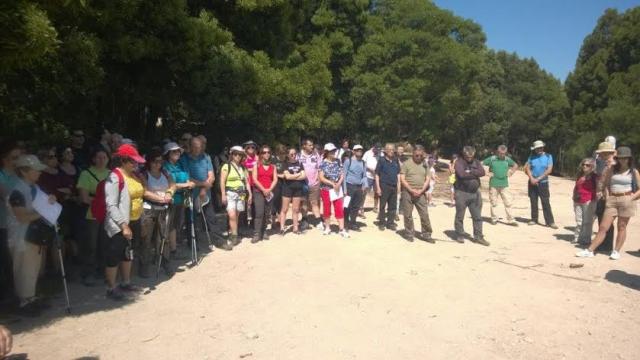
point(194, 250)
point(163, 237)
point(64, 275)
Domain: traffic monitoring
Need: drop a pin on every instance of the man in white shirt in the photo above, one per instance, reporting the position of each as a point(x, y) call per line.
point(370, 158)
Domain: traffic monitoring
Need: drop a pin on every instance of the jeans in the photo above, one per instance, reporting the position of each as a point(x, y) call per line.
point(584, 221)
point(356, 194)
point(408, 201)
point(152, 220)
point(263, 212)
point(473, 201)
point(540, 191)
point(388, 205)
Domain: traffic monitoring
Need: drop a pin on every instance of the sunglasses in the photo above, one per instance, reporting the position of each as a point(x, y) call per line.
point(266, 152)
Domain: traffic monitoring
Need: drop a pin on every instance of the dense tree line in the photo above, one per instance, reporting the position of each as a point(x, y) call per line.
point(277, 70)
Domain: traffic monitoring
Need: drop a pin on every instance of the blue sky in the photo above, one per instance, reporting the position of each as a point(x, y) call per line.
point(550, 31)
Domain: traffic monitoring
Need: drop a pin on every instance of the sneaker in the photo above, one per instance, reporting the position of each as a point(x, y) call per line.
point(297, 232)
point(355, 228)
point(494, 221)
point(381, 227)
point(427, 238)
point(407, 236)
point(397, 217)
point(304, 225)
point(167, 268)
point(585, 253)
point(512, 222)
point(392, 227)
point(553, 226)
point(531, 222)
point(432, 205)
point(614, 255)
point(320, 226)
point(344, 234)
point(30, 309)
point(227, 244)
point(326, 231)
point(116, 294)
point(282, 232)
point(460, 239)
point(482, 241)
point(265, 236)
point(130, 288)
point(255, 239)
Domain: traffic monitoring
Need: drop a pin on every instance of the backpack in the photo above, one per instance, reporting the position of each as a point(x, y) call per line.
point(99, 204)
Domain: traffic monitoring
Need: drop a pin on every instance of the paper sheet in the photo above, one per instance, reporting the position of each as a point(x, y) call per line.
point(346, 201)
point(50, 212)
point(335, 195)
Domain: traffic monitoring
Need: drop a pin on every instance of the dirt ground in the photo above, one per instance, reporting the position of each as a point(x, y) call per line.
point(374, 296)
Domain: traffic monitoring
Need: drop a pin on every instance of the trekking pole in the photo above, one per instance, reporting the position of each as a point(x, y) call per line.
point(163, 237)
point(64, 275)
point(194, 250)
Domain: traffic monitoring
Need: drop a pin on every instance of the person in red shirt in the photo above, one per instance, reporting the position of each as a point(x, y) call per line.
point(584, 201)
point(265, 178)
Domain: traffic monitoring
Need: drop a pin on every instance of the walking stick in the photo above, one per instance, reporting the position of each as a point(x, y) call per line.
point(163, 236)
point(194, 249)
point(58, 244)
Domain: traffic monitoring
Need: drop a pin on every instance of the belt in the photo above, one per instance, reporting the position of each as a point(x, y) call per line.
point(622, 194)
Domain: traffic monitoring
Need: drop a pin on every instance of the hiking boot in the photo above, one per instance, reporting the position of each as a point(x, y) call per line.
point(392, 227)
point(235, 240)
point(407, 235)
point(482, 241)
point(167, 268)
point(265, 236)
point(426, 237)
point(227, 244)
point(460, 239)
point(144, 271)
point(553, 226)
point(355, 228)
point(30, 309)
point(116, 294)
point(381, 227)
point(255, 239)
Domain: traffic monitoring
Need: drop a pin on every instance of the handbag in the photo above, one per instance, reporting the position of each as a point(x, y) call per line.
point(40, 232)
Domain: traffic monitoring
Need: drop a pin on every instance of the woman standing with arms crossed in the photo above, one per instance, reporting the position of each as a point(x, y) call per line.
point(620, 193)
point(292, 190)
point(265, 179)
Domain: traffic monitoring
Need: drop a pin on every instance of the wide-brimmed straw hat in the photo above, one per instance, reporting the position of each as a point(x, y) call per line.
point(538, 144)
point(605, 146)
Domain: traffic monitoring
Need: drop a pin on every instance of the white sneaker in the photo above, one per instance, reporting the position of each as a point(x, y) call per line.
point(585, 253)
point(320, 226)
point(344, 234)
point(326, 231)
point(614, 255)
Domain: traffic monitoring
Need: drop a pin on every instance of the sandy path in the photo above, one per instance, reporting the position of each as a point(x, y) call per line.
point(373, 296)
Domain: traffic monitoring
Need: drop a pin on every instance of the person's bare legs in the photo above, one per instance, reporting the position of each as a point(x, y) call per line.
point(622, 232)
point(605, 224)
point(233, 221)
point(294, 213)
point(341, 224)
point(110, 274)
point(125, 271)
point(283, 212)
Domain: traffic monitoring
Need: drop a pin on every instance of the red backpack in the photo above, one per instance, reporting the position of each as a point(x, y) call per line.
point(99, 204)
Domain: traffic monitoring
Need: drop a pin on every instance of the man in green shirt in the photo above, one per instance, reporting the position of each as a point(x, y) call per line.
point(415, 180)
point(501, 167)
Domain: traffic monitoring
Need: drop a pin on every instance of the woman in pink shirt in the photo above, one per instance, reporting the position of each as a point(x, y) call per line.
point(584, 201)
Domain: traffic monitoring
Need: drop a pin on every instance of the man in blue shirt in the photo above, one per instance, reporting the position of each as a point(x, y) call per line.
point(355, 174)
point(387, 187)
point(200, 169)
point(538, 167)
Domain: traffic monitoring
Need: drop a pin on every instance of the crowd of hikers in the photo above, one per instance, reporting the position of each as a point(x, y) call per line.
point(125, 214)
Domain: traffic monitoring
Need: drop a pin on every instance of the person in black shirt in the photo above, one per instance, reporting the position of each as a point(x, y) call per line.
point(387, 187)
point(468, 172)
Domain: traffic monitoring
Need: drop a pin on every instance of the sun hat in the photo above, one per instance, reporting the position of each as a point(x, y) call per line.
point(605, 146)
point(30, 161)
point(237, 149)
point(249, 143)
point(611, 139)
point(170, 146)
point(537, 144)
point(129, 151)
point(358, 147)
point(624, 152)
point(329, 147)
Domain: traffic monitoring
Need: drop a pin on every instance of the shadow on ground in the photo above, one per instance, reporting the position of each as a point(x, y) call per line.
point(623, 278)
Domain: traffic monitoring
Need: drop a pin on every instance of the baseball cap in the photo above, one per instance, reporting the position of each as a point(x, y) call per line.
point(30, 161)
point(329, 147)
point(129, 151)
point(358, 147)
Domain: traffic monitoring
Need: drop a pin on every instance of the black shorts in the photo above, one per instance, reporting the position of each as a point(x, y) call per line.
point(117, 245)
point(292, 190)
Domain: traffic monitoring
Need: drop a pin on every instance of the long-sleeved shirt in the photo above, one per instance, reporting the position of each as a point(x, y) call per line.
point(355, 172)
point(118, 205)
point(468, 175)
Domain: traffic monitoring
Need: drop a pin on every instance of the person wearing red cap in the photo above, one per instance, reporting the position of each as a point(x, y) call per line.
point(124, 198)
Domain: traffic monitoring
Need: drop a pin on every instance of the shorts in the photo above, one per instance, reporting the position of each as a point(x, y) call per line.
point(313, 196)
point(234, 202)
point(116, 246)
point(289, 191)
point(371, 183)
point(621, 206)
point(432, 185)
point(176, 217)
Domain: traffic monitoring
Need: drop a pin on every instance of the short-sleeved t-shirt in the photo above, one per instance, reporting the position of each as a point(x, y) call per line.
point(414, 174)
point(388, 171)
point(136, 193)
point(89, 182)
point(331, 170)
point(500, 170)
point(311, 165)
point(294, 168)
point(197, 168)
point(236, 176)
point(179, 176)
point(539, 163)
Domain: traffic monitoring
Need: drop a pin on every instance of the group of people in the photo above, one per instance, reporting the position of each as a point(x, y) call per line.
point(123, 212)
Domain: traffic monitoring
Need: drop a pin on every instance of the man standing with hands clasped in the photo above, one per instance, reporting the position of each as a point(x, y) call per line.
point(468, 173)
point(538, 168)
point(387, 187)
point(501, 167)
point(415, 178)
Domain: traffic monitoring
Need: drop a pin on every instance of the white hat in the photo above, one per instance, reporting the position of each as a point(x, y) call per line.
point(30, 161)
point(329, 147)
point(236, 148)
point(537, 144)
point(358, 147)
point(611, 140)
point(170, 146)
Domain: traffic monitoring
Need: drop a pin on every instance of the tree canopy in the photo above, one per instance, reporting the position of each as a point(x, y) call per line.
point(275, 70)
